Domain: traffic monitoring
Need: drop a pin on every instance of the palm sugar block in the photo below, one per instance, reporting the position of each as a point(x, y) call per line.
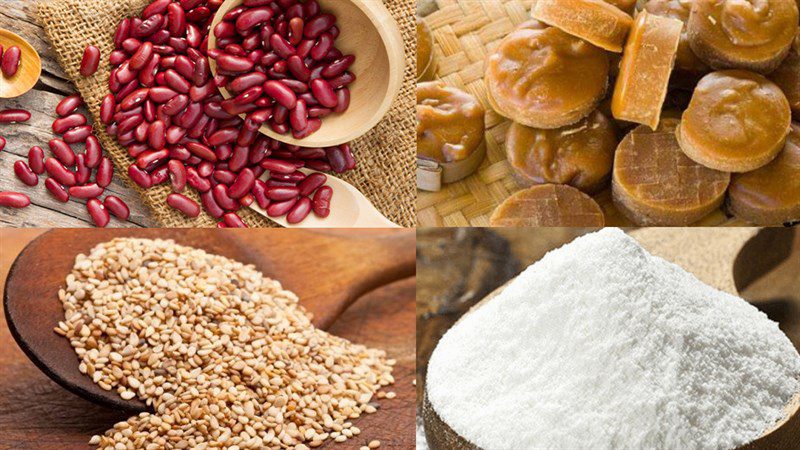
point(645, 69)
point(770, 195)
point(580, 155)
point(737, 121)
point(595, 21)
point(548, 205)
point(542, 77)
point(655, 183)
point(737, 34)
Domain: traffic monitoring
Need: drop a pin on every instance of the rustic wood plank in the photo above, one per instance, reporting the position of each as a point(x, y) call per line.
point(19, 16)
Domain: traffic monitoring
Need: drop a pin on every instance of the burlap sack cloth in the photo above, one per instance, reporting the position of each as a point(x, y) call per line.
point(386, 155)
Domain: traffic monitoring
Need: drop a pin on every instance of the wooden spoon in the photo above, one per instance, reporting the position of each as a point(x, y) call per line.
point(368, 31)
point(349, 209)
point(747, 263)
point(328, 270)
point(30, 66)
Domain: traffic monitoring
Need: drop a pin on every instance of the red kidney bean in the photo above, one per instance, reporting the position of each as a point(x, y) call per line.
point(298, 117)
point(338, 66)
point(14, 115)
point(57, 170)
point(36, 159)
point(234, 63)
point(10, 62)
point(176, 81)
point(278, 166)
point(318, 164)
point(2, 143)
point(25, 174)
point(299, 211)
point(107, 107)
point(223, 136)
point(318, 25)
point(201, 151)
point(142, 56)
point(281, 93)
point(82, 173)
point(105, 173)
point(278, 209)
point(122, 32)
point(117, 57)
point(210, 205)
point(321, 47)
point(148, 26)
point(62, 151)
point(98, 213)
point(90, 61)
point(93, 152)
point(253, 17)
point(140, 177)
point(134, 99)
point(223, 176)
point(247, 200)
point(156, 7)
point(243, 184)
point(68, 105)
point(342, 100)
point(282, 193)
point(183, 204)
point(147, 76)
point(157, 135)
point(62, 124)
point(312, 183)
point(177, 175)
point(323, 93)
point(151, 159)
point(313, 126)
point(176, 17)
point(86, 191)
point(259, 192)
point(56, 190)
point(160, 175)
point(117, 207)
point(342, 80)
point(232, 220)
point(14, 199)
point(322, 201)
point(77, 134)
point(132, 45)
point(222, 198)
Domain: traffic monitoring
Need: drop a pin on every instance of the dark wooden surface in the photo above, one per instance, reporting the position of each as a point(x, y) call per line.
point(456, 268)
point(19, 16)
point(37, 413)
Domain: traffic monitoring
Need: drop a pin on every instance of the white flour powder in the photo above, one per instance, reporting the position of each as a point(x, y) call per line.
point(601, 345)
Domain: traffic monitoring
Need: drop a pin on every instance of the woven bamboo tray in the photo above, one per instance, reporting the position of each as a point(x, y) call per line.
point(465, 32)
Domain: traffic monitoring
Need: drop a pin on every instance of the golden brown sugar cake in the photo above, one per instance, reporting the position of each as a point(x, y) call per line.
point(548, 205)
point(542, 77)
point(655, 184)
point(580, 155)
point(449, 122)
point(739, 34)
point(787, 77)
point(737, 121)
point(770, 195)
point(595, 21)
point(685, 59)
point(645, 69)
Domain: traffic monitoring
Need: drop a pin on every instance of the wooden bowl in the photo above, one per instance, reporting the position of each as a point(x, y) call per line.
point(369, 32)
point(30, 67)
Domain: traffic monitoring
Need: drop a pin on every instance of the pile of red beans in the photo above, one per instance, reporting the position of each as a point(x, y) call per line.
point(281, 64)
point(167, 110)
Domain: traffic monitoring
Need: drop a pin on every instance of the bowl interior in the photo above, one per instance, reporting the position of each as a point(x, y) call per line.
point(368, 32)
point(30, 67)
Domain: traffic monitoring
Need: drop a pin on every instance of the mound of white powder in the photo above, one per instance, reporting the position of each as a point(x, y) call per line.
point(601, 345)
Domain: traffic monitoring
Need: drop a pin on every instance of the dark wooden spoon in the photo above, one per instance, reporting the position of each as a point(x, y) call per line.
point(328, 270)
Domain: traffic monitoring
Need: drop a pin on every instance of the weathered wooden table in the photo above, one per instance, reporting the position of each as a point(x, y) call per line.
point(37, 413)
point(18, 16)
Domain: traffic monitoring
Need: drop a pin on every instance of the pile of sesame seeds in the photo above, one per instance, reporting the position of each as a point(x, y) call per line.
point(225, 357)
